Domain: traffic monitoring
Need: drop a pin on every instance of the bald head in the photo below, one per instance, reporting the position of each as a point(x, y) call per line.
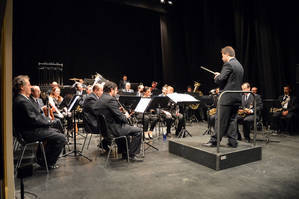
point(98, 89)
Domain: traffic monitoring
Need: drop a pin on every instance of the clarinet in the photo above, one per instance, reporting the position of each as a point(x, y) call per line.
point(130, 122)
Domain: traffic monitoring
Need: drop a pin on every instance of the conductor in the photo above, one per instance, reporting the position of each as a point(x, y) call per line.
point(230, 78)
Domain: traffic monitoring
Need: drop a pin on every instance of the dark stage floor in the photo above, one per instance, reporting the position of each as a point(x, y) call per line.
point(164, 175)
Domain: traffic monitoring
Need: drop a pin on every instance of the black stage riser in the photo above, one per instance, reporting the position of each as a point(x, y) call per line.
point(209, 158)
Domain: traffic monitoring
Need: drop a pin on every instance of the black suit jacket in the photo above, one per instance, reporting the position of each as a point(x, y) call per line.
point(122, 84)
point(89, 117)
point(26, 115)
point(38, 104)
point(109, 107)
point(292, 105)
point(230, 78)
point(249, 103)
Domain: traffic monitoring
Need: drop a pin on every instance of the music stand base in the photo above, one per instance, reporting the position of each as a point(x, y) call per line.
point(149, 145)
point(76, 154)
point(184, 133)
point(208, 132)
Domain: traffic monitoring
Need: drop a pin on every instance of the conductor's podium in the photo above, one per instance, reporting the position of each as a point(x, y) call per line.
point(192, 149)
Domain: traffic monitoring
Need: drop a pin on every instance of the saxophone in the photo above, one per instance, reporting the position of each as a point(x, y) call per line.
point(196, 85)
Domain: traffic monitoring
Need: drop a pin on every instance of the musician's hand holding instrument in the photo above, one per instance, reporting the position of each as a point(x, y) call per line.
point(284, 113)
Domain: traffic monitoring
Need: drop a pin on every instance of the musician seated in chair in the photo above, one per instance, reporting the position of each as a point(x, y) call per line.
point(32, 125)
point(148, 119)
point(286, 113)
point(127, 88)
point(214, 94)
point(174, 112)
point(44, 110)
point(140, 90)
point(89, 118)
point(246, 113)
point(117, 123)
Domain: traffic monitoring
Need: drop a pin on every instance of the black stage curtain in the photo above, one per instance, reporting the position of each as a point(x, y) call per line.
point(87, 37)
point(169, 47)
point(263, 34)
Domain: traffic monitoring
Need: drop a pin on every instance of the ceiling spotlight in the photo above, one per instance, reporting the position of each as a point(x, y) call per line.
point(170, 2)
point(162, 1)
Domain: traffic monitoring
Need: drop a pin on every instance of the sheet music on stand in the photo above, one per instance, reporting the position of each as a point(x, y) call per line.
point(73, 103)
point(182, 97)
point(142, 105)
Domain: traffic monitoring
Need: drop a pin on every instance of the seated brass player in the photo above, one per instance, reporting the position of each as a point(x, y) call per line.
point(246, 113)
point(29, 122)
point(285, 114)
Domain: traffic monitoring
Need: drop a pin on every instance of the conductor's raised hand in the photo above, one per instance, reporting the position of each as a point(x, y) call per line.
point(216, 75)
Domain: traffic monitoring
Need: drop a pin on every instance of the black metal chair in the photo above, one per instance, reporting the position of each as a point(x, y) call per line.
point(110, 138)
point(88, 131)
point(21, 142)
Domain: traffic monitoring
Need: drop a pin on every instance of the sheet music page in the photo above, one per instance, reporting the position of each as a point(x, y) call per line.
point(141, 106)
point(73, 103)
point(180, 97)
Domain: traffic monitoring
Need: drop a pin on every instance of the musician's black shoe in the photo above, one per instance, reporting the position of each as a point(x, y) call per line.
point(135, 158)
point(55, 166)
point(248, 140)
point(232, 145)
point(50, 167)
point(209, 144)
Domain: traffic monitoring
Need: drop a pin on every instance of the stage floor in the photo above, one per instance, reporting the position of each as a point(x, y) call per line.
point(165, 175)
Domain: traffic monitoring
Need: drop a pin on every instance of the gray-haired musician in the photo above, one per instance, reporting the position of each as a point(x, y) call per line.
point(127, 88)
point(32, 125)
point(230, 78)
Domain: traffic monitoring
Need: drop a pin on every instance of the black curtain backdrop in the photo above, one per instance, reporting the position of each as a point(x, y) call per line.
point(88, 37)
point(263, 34)
point(113, 39)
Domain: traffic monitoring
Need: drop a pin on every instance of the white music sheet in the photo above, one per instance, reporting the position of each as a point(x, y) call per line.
point(73, 103)
point(180, 97)
point(142, 104)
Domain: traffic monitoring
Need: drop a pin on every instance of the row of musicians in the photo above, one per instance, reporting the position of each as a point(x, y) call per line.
point(149, 120)
point(280, 119)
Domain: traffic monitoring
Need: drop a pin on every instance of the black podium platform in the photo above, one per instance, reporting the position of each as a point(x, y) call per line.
point(192, 149)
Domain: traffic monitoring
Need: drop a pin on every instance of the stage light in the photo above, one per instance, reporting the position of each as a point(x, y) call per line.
point(170, 2)
point(162, 1)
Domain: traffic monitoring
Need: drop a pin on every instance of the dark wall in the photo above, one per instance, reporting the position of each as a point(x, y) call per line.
point(112, 39)
point(87, 37)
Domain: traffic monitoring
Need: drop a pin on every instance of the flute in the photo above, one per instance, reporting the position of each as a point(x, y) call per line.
point(204, 68)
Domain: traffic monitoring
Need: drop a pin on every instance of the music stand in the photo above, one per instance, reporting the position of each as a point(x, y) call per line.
point(72, 108)
point(208, 101)
point(183, 100)
point(268, 104)
point(146, 104)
